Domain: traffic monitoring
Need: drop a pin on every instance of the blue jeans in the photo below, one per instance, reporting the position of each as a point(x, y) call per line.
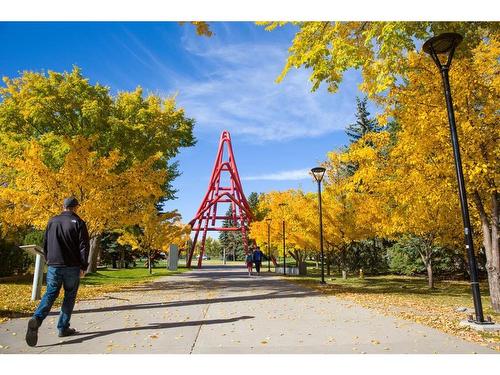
point(69, 278)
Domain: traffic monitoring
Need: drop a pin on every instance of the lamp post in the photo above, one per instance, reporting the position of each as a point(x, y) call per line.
point(283, 205)
point(318, 174)
point(268, 221)
point(445, 44)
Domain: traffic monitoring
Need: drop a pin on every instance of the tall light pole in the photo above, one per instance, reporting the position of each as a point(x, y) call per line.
point(283, 205)
point(268, 221)
point(318, 174)
point(445, 44)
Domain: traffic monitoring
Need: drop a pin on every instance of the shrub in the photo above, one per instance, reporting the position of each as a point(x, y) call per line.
point(15, 261)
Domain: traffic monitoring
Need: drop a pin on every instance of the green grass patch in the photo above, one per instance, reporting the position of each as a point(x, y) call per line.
point(127, 276)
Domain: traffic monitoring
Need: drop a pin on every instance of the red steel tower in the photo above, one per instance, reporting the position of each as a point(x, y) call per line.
point(218, 192)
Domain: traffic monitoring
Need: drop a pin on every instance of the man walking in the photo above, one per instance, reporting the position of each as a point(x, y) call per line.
point(66, 249)
point(257, 259)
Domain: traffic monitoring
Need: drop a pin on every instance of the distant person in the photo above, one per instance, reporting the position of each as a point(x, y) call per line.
point(66, 249)
point(249, 262)
point(257, 259)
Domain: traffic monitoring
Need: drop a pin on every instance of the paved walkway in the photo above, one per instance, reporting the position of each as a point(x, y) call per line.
point(222, 310)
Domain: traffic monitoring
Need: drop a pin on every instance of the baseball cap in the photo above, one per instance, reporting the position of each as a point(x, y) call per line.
point(70, 202)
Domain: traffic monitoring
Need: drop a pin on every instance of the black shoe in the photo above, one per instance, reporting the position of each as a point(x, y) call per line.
point(32, 332)
point(67, 332)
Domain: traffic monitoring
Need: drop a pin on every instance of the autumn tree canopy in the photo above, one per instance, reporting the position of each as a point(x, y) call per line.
point(404, 181)
point(60, 135)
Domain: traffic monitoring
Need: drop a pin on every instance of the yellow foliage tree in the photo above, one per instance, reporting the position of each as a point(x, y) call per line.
point(379, 49)
point(300, 214)
point(352, 210)
point(32, 192)
point(424, 151)
point(155, 232)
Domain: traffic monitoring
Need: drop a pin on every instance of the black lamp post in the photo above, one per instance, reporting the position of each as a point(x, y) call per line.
point(268, 221)
point(318, 174)
point(283, 205)
point(445, 44)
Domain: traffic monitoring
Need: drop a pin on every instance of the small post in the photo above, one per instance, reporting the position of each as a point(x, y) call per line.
point(38, 276)
point(361, 274)
point(344, 274)
point(173, 257)
point(284, 249)
point(268, 220)
point(149, 261)
point(37, 279)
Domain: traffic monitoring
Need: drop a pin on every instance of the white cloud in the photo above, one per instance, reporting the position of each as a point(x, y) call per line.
point(296, 174)
point(235, 89)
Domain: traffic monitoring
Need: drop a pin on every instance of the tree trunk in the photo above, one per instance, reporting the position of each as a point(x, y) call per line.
point(491, 246)
point(122, 258)
point(493, 266)
point(94, 253)
point(430, 278)
point(149, 261)
point(328, 261)
point(426, 255)
point(301, 262)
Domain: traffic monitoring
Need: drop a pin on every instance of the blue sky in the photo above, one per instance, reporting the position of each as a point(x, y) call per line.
point(227, 82)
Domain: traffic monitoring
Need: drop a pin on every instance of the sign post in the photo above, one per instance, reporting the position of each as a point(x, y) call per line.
point(39, 263)
point(173, 257)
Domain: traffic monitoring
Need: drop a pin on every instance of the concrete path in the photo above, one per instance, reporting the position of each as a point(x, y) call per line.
point(222, 310)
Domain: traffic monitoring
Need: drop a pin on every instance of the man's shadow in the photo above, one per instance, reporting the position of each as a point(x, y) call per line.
point(151, 326)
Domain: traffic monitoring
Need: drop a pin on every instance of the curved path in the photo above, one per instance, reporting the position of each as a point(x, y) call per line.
point(220, 309)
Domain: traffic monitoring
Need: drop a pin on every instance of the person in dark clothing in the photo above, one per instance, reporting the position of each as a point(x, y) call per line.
point(66, 248)
point(257, 259)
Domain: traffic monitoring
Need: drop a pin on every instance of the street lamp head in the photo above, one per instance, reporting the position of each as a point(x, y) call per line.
point(269, 220)
point(318, 173)
point(442, 44)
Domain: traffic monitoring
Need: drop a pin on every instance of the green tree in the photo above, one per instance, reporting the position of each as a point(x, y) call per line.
point(407, 256)
point(231, 241)
point(253, 201)
point(57, 109)
point(364, 123)
point(49, 107)
point(213, 248)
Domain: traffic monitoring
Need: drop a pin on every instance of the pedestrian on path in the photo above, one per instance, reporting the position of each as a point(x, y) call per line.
point(257, 259)
point(66, 249)
point(249, 262)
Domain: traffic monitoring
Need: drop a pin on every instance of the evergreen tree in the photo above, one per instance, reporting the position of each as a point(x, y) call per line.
point(253, 201)
point(213, 248)
point(364, 123)
point(231, 241)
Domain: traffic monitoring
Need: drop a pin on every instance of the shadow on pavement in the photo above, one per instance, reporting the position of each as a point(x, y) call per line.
point(208, 278)
point(155, 305)
point(93, 335)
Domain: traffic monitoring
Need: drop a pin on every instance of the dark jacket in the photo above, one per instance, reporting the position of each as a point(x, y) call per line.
point(257, 256)
point(66, 241)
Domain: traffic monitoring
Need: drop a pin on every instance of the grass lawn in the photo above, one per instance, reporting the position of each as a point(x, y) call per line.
point(15, 293)
point(410, 298)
